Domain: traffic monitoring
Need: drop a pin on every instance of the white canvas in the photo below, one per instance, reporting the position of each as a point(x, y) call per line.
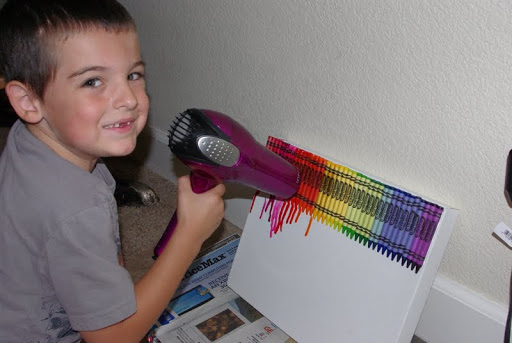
point(325, 287)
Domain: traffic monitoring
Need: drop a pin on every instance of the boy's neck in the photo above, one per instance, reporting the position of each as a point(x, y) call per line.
point(83, 163)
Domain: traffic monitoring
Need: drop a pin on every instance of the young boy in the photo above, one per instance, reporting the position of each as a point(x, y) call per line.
point(75, 78)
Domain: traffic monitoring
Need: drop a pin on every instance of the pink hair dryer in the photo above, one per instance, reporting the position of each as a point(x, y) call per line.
point(218, 149)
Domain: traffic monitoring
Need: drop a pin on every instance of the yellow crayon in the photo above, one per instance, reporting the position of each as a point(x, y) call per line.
point(317, 213)
point(335, 202)
point(344, 191)
point(370, 218)
point(369, 192)
point(330, 173)
point(323, 194)
point(348, 228)
point(357, 205)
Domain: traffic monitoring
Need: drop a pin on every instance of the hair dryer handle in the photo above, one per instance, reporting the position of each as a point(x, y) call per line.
point(200, 182)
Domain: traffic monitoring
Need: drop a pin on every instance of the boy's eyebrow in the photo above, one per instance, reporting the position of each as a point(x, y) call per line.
point(85, 70)
point(99, 68)
point(139, 63)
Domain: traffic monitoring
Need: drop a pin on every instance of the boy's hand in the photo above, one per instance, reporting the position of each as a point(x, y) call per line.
point(198, 214)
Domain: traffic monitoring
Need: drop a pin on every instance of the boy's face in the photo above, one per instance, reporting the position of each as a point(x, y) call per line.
point(96, 104)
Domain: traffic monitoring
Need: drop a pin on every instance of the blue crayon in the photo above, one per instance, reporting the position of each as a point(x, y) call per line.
point(390, 222)
point(395, 239)
point(382, 214)
point(392, 229)
point(394, 224)
point(375, 232)
point(385, 233)
point(394, 221)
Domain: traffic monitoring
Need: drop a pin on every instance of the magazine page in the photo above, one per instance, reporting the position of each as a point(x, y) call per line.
point(211, 269)
point(232, 320)
point(203, 283)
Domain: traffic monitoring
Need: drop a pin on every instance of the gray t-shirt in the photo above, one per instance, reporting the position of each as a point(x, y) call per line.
point(59, 241)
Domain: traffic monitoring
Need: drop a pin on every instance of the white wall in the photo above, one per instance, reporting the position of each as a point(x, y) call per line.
point(417, 93)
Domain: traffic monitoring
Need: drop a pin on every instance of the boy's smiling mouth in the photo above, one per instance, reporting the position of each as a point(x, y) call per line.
point(119, 125)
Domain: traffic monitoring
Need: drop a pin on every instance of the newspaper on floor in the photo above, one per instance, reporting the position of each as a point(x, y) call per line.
point(206, 310)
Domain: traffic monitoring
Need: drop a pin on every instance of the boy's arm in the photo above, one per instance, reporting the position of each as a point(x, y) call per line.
point(199, 215)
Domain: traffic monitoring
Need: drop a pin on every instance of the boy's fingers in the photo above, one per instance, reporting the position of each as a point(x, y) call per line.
point(220, 189)
point(184, 182)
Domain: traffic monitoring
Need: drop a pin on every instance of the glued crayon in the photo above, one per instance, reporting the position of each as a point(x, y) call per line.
point(332, 205)
point(319, 210)
point(378, 223)
point(365, 209)
point(355, 203)
point(385, 214)
point(423, 243)
point(409, 228)
point(328, 192)
point(420, 233)
point(337, 191)
point(335, 196)
point(311, 182)
point(403, 225)
point(344, 196)
point(434, 220)
point(376, 210)
point(357, 207)
point(348, 225)
point(306, 183)
point(394, 231)
point(387, 229)
point(347, 198)
point(364, 204)
point(404, 220)
point(317, 180)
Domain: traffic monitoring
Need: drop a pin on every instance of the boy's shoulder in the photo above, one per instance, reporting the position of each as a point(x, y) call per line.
point(29, 167)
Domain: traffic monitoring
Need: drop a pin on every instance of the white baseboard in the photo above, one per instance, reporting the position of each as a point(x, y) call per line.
point(452, 313)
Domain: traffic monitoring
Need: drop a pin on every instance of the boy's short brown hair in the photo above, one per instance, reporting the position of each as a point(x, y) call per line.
point(30, 29)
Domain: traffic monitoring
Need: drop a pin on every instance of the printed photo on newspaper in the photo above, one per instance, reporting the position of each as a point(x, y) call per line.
point(206, 310)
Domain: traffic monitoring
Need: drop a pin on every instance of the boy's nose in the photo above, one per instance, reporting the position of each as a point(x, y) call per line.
point(124, 96)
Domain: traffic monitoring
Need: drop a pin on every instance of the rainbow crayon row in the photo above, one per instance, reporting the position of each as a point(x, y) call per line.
point(395, 223)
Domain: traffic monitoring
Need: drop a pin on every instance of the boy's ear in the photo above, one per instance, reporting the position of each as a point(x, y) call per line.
point(24, 102)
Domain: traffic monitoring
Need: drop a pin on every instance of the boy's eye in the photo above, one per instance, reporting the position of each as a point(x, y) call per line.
point(92, 83)
point(135, 76)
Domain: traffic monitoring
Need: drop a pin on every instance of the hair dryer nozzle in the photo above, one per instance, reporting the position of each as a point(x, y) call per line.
point(217, 145)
